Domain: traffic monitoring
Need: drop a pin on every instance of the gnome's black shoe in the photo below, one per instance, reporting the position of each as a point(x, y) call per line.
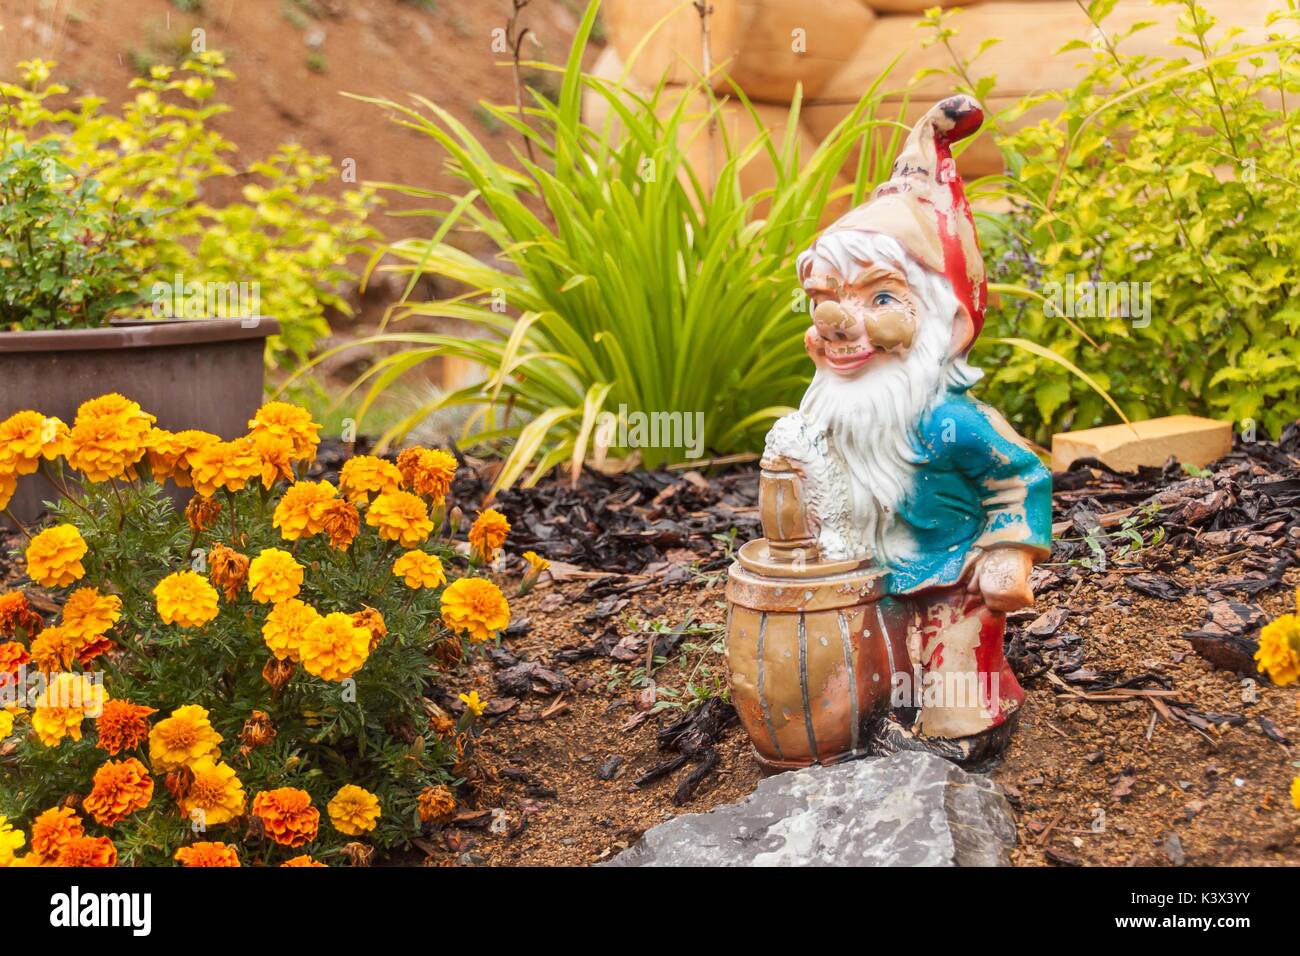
point(976, 752)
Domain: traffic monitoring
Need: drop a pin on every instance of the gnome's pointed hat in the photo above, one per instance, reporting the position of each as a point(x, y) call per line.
point(923, 205)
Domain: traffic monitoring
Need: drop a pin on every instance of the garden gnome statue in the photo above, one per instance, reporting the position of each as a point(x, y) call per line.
point(901, 517)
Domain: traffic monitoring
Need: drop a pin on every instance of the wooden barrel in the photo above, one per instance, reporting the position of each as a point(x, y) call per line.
point(812, 657)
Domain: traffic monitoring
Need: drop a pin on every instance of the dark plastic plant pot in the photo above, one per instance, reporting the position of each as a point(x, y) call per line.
point(190, 373)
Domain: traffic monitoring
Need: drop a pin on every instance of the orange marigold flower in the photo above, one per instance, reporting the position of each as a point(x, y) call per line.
point(228, 570)
point(354, 810)
point(301, 512)
point(304, 860)
point(16, 615)
point(88, 851)
point(93, 648)
point(488, 533)
point(437, 804)
point(274, 576)
point(202, 513)
point(341, 521)
point(289, 423)
point(54, 556)
point(26, 437)
point(476, 607)
point(205, 853)
point(121, 787)
point(108, 437)
point(334, 647)
point(8, 485)
point(287, 815)
point(88, 615)
point(122, 726)
point(171, 454)
point(215, 794)
point(372, 621)
point(285, 627)
point(182, 739)
point(400, 516)
point(54, 649)
point(427, 471)
point(12, 656)
point(420, 570)
point(55, 829)
point(228, 465)
point(366, 474)
point(185, 598)
point(276, 455)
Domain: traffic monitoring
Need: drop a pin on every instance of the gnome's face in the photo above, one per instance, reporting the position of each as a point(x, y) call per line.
point(859, 317)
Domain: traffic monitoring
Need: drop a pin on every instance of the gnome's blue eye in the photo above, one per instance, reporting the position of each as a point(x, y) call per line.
point(883, 298)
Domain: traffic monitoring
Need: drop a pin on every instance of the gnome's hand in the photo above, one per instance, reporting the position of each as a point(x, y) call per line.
point(816, 348)
point(1001, 577)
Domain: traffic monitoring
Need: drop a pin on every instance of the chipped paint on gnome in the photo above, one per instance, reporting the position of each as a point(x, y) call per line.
point(901, 517)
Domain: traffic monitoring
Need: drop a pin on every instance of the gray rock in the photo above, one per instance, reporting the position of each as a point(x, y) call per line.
point(909, 809)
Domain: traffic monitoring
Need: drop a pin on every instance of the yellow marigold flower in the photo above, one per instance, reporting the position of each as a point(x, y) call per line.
point(276, 455)
point(122, 726)
point(475, 607)
point(436, 804)
point(1277, 649)
point(427, 471)
point(202, 513)
point(420, 570)
point(6, 723)
point(400, 516)
point(289, 423)
point(121, 787)
point(24, 438)
point(66, 701)
point(228, 465)
point(88, 851)
point(274, 576)
point(287, 815)
point(11, 839)
point(354, 810)
point(205, 853)
point(304, 860)
point(54, 556)
point(55, 829)
point(285, 627)
point(334, 647)
point(372, 621)
point(54, 649)
point(536, 563)
point(109, 435)
point(473, 704)
point(170, 455)
point(365, 474)
point(228, 570)
point(185, 598)
point(301, 512)
point(87, 614)
point(183, 739)
point(488, 533)
point(8, 485)
point(16, 615)
point(215, 795)
point(341, 521)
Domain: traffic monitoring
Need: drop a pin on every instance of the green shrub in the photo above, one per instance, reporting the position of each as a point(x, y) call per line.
point(63, 255)
point(619, 279)
point(1177, 174)
point(158, 155)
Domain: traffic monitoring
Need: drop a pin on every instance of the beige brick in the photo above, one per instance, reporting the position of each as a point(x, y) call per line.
point(1192, 440)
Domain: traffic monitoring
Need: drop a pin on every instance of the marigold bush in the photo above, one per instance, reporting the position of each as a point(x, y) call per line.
point(240, 683)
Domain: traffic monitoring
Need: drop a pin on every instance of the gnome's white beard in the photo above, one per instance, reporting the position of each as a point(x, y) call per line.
point(871, 421)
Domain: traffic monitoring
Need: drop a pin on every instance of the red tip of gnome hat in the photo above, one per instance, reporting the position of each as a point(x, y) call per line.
point(923, 205)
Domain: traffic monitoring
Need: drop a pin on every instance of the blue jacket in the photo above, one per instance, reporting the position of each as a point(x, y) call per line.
point(977, 486)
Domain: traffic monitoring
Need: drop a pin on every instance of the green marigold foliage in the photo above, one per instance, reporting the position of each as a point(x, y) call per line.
point(1175, 172)
point(158, 156)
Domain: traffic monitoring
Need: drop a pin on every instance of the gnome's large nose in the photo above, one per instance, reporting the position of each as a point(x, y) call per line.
point(834, 323)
